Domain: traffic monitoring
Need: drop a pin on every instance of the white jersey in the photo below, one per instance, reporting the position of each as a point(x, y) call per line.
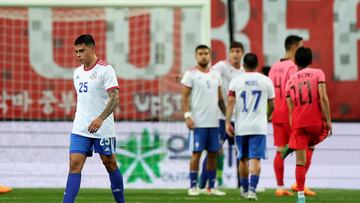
point(252, 92)
point(91, 88)
point(227, 73)
point(204, 96)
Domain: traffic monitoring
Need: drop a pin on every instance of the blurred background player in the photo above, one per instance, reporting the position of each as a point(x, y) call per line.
point(97, 92)
point(309, 110)
point(203, 86)
point(5, 189)
point(279, 74)
point(228, 69)
point(252, 93)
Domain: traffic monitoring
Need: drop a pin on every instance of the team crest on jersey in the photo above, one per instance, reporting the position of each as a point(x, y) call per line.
point(93, 75)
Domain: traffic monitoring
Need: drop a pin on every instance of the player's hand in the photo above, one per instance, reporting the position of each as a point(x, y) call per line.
point(190, 123)
point(178, 78)
point(329, 125)
point(95, 125)
point(230, 129)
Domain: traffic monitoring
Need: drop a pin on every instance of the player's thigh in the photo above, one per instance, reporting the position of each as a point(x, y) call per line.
point(213, 143)
point(281, 134)
point(299, 139)
point(81, 145)
point(105, 146)
point(199, 140)
point(257, 146)
point(242, 147)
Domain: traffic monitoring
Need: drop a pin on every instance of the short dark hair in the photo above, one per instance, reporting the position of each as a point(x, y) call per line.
point(303, 57)
point(236, 44)
point(202, 46)
point(265, 70)
point(86, 39)
point(251, 61)
point(291, 40)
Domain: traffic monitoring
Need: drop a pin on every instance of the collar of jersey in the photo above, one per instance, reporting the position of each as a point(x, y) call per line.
point(97, 61)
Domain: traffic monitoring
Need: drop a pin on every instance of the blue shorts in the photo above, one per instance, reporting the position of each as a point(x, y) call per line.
point(206, 139)
point(251, 146)
point(223, 135)
point(86, 145)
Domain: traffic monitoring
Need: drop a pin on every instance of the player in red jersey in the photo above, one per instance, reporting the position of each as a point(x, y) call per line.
point(279, 74)
point(309, 112)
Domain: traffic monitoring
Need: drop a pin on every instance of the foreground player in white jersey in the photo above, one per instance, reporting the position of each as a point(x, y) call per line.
point(252, 93)
point(97, 91)
point(203, 86)
point(228, 69)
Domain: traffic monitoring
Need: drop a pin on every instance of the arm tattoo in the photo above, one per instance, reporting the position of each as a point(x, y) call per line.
point(112, 103)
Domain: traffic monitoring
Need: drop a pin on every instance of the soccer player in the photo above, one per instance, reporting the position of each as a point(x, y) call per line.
point(4, 189)
point(309, 112)
point(279, 74)
point(204, 88)
point(97, 92)
point(252, 93)
point(228, 69)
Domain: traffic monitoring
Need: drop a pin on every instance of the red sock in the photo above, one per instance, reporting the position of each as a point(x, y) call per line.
point(279, 169)
point(309, 153)
point(300, 177)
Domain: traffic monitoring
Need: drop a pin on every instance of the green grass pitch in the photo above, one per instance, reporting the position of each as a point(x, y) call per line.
point(170, 196)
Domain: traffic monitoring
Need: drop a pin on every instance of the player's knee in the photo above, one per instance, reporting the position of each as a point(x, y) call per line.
point(75, 167)
point(110, 164)
point(212, 155)
point(196, 156)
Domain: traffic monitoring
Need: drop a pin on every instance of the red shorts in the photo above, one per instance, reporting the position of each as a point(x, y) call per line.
point(303, 138)
point(281, 134)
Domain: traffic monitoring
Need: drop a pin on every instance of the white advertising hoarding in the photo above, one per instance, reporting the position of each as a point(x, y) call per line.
point(156, 155)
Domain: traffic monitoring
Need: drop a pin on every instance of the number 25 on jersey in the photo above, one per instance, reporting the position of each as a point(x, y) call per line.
point(83, 87)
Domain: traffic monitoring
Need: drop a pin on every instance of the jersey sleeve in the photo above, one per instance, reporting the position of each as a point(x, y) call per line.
point(187, 79)
point(232, 88)
point(219, 78)
point(110, 79)
point(321, 76)
point(218, 67)
point(271, 89)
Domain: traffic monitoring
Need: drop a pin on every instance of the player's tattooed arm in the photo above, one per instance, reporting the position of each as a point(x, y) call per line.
point(110, 106)
point(112, 103)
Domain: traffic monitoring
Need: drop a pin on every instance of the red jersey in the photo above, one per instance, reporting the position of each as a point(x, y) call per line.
point(279, 74)
point(302, 87)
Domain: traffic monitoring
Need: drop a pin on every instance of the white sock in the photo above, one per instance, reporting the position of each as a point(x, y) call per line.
point(301, 194)
point(281, 187)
